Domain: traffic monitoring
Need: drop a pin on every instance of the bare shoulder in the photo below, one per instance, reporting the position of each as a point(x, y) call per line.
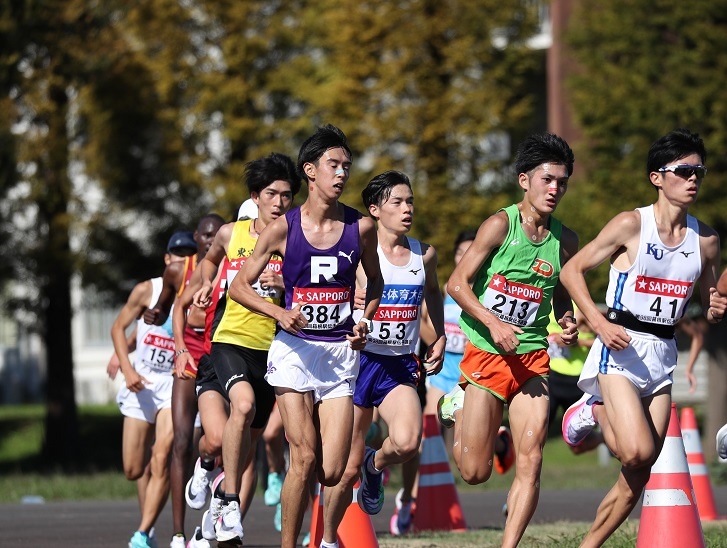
point(141, 294)
point(568, 242)
point(708, 240)
point(225, 232)
point(429, 254)
point(366, 224)
point(706, 231)
point(492, 231)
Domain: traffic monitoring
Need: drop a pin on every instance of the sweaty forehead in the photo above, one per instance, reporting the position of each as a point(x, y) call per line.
point(554, 170)
point(336, 153)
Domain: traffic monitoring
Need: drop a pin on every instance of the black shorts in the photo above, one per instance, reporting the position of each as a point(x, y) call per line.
point(207, 378)
point(563, 392)
point(233, 364)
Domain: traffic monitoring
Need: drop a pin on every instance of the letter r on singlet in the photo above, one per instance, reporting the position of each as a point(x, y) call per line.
point(323, 266)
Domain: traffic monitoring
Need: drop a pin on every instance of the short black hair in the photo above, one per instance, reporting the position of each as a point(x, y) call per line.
point(214, 217)
point(541, 148)
point(674, 146)
point(260, 173)
point(325, 138)
point(464, 236)
point(379, 188)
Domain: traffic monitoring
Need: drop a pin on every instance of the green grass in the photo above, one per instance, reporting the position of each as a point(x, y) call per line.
point(562, 535)
point(22, 472)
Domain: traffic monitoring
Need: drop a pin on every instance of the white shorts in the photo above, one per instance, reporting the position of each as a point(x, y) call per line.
point(145, 405)
point(329, 369)
point(648, 362)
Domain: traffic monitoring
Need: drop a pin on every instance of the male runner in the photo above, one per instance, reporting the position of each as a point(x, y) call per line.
point(657, 254)
point(389, 369)
point(184, 403)
point(505, 284)
point(313, 361)
point(241, 338)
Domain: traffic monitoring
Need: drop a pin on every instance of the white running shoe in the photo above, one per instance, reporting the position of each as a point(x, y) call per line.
point(722, 442)
point(198, 486)
point(229, 524)
point(210, 517)
point(578, 420)
point(197, 540)
point(178, 542)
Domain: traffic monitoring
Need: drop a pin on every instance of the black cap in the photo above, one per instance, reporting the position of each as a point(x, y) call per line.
point(182, 243)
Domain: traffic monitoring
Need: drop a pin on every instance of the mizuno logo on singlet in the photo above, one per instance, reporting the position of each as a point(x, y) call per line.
point(686, 253)
point(415, 272)
point(342, 254)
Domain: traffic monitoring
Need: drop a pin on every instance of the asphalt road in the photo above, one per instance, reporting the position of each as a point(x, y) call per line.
point(98, 524)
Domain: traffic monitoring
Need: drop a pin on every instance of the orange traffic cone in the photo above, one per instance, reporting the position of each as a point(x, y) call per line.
point(669, 517)
point(438, 507)
point(697, 466)
point(356, 529)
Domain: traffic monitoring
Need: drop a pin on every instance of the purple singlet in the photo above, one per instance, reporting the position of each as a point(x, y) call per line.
point(322, 281)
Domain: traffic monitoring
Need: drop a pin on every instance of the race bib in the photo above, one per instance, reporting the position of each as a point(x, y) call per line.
point(512, 302)
point(276, 265)
point(657, 300)
point(395, 321)
point(158, 353)
point(456, 340)
point(324, 308)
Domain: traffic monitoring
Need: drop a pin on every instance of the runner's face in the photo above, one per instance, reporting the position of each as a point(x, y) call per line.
point(332, 172)
point(397, 212)
point(273, 201)
point(205, 235)
point(460, 251)
point(677, 188)
point(545, 186)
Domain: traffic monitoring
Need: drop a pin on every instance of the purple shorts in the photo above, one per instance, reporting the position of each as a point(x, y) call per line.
point(379, 375)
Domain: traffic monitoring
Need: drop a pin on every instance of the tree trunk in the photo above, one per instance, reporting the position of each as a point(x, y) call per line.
point(61, 425)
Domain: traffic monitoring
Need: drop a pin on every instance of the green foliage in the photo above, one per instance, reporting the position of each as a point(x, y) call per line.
point(644, 69)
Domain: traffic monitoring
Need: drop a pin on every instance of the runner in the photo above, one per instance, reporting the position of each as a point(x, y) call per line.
point(184, 401)
point(146, 398)
point(657, 254)
point(505, 284)
point(389, 371)
point(241, 338)
point(313, 361)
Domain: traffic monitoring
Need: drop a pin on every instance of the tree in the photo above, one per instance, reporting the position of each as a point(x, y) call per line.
point(644, 68)
point(420, 86)
point(88, 116)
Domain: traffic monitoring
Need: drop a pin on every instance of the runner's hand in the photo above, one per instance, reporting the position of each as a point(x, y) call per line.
point(358, 339)
point(434, 358)
point(504, 335)
point(293, 320)
point(135, 382)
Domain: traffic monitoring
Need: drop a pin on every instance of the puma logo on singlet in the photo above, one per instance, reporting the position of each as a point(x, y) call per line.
point(415, 272)
point(342, 254)
point(686, 253)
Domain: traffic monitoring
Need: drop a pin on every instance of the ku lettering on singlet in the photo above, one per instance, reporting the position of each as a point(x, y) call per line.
point(512, 302)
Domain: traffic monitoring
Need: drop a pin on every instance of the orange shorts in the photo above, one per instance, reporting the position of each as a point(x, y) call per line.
point(502, 374)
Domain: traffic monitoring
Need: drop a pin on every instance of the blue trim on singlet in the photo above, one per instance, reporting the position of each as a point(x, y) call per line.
point(618, 305)
point(603, 363)
point(618, 293)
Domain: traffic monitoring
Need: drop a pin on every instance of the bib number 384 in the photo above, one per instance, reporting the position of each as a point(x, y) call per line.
point(323, 308)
